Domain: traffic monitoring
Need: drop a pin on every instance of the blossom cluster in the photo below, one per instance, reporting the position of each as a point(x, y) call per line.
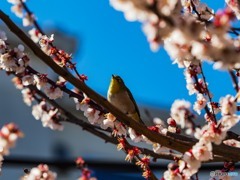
point(9, 134)
point(42, 172)
point(12, 60)
point(189, 36)
point(18, 10)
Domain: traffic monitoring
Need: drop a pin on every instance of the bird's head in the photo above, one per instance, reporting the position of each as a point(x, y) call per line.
point(116, 84)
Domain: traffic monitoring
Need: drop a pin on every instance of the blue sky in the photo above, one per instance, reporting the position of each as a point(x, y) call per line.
point(111, 45)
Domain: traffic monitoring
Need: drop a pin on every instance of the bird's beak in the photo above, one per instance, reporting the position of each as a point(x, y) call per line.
point(113, 76)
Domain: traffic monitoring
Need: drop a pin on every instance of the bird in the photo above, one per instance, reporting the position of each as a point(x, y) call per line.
point(121, 97)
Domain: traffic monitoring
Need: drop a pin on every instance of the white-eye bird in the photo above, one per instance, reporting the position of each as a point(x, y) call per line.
point(121, 97)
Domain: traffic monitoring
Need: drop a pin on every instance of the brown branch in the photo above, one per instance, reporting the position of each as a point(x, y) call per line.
point(234, 80)
point(229, 153)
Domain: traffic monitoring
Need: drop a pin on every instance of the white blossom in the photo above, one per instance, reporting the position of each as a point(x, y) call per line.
point(134, 136)
point(53, 92)
point(228, 105)
point(42, 172)
point(49, 121)
point(200, 103)
point(202, 150)
point(179, 111)
point(27, 96)
point(35, 35)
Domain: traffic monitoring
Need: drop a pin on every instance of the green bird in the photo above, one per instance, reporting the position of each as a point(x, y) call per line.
point(121, 97)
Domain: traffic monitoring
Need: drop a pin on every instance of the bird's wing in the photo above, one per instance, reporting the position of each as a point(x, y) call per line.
point(134, 102)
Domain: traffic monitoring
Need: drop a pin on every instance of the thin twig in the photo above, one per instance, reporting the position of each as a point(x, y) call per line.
point(234, 80)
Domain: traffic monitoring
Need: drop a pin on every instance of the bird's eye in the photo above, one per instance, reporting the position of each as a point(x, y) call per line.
point(118, 79)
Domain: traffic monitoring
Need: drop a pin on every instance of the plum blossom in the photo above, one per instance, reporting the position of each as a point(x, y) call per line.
point(173, 172)
point(15, 1)
point(131, 153)
point(202, 150)
point(50, 119)
point(211, 133)
point(9, 134)
point(42, 172)
point(135, 137)
point(8, 137)
point(38, 110)
point(200, 103)
point(40, 81)
point(111, 122)
point(17, 9)
point(157, 148)
point(93, 115)
point(17, 82)
point(232, 142)
point(180, 111)
point(228, 105)
point(235, 6)
point(191, 164)
point(27, 80)
point(227, 122)
point(35, 35)
point(28, 20)
point(45, 43)
point(53, 92)
point(13, 60)
point(27, 96)
point(3, 36)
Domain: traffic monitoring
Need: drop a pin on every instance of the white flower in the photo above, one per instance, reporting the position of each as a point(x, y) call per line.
point(27, 96)
point(35, 35)
point(28, 20)
point(200, 103)
point(228, 105)
point(45, 43)
point(40, 80)
point(211, 133)
point(134, 136)
point(232, 142)
point(53, 92)
point(92, 115)
point(170, 175)
point(27, 80)
point(17, 10)
point(48, 120)
point(107, 123)
point(202, 150)
point(227, 122)
point(192, 164)
point(3, 35)
point(157, 148)
point(179, 111)
point(40, 172)
point(119, 129)
point(15, 1)
point(234, 5)
point(37, 110)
